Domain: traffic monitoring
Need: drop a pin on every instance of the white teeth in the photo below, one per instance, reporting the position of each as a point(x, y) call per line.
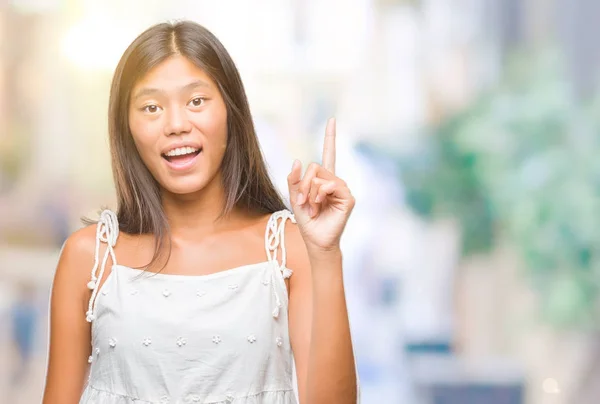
point(180, 151)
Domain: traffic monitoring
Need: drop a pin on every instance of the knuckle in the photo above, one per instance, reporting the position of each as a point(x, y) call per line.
point(313, 166)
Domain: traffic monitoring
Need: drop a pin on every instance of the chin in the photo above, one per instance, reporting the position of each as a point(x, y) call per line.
point(183, 189)
point(184, 186)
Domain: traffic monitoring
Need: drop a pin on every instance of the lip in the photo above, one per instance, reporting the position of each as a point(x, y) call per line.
point(180, 144)
point(181, 167)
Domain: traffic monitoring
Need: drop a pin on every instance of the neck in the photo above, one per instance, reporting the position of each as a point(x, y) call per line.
point(198, 213)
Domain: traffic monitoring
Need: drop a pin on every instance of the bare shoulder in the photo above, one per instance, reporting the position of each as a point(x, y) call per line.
point(292, 241)
point(77, 256)
point(80, 245)
point(297, 256)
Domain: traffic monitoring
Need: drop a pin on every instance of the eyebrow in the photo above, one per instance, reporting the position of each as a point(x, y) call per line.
point(151, 91)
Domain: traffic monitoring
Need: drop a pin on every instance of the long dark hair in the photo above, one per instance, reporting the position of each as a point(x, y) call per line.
point(245, 177)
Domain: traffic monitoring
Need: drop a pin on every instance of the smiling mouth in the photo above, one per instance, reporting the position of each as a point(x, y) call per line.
point(181, 155)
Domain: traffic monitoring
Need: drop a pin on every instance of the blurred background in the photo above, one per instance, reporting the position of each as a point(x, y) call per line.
point(467, 130)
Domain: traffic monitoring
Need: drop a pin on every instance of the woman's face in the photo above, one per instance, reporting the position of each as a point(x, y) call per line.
point(178, 121)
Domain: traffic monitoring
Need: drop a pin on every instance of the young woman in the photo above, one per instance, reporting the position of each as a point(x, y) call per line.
point(199, 292)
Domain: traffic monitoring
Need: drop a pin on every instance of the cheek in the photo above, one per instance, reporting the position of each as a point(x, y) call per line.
point(144, 137)
point(215, 128)
point(218, 145)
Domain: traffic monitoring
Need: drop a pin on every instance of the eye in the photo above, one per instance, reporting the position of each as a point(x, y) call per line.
point(198, 101)
point(151, 109)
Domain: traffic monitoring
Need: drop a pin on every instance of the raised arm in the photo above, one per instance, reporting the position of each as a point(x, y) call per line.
point(319, 325)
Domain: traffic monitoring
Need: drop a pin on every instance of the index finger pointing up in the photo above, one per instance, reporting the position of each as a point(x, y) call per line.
point(329, 146)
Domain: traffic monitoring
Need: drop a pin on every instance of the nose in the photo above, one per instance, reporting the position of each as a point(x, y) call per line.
point(177, 122)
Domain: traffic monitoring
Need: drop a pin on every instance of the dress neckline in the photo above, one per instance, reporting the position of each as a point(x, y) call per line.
point(218, 274)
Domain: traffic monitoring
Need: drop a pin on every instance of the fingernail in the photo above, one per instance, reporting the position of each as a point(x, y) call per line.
point(294, 164)
point(300, 199)
point(318, 199)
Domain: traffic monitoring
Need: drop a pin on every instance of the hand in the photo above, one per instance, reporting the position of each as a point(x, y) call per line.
point(321, 202)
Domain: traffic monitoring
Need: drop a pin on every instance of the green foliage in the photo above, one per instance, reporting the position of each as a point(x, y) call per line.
point(522, 164)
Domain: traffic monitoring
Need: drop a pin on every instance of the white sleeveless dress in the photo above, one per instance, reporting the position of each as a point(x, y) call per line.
point(217, 338)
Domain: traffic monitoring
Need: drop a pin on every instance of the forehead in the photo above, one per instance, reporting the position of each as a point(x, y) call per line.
point(173, 73)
